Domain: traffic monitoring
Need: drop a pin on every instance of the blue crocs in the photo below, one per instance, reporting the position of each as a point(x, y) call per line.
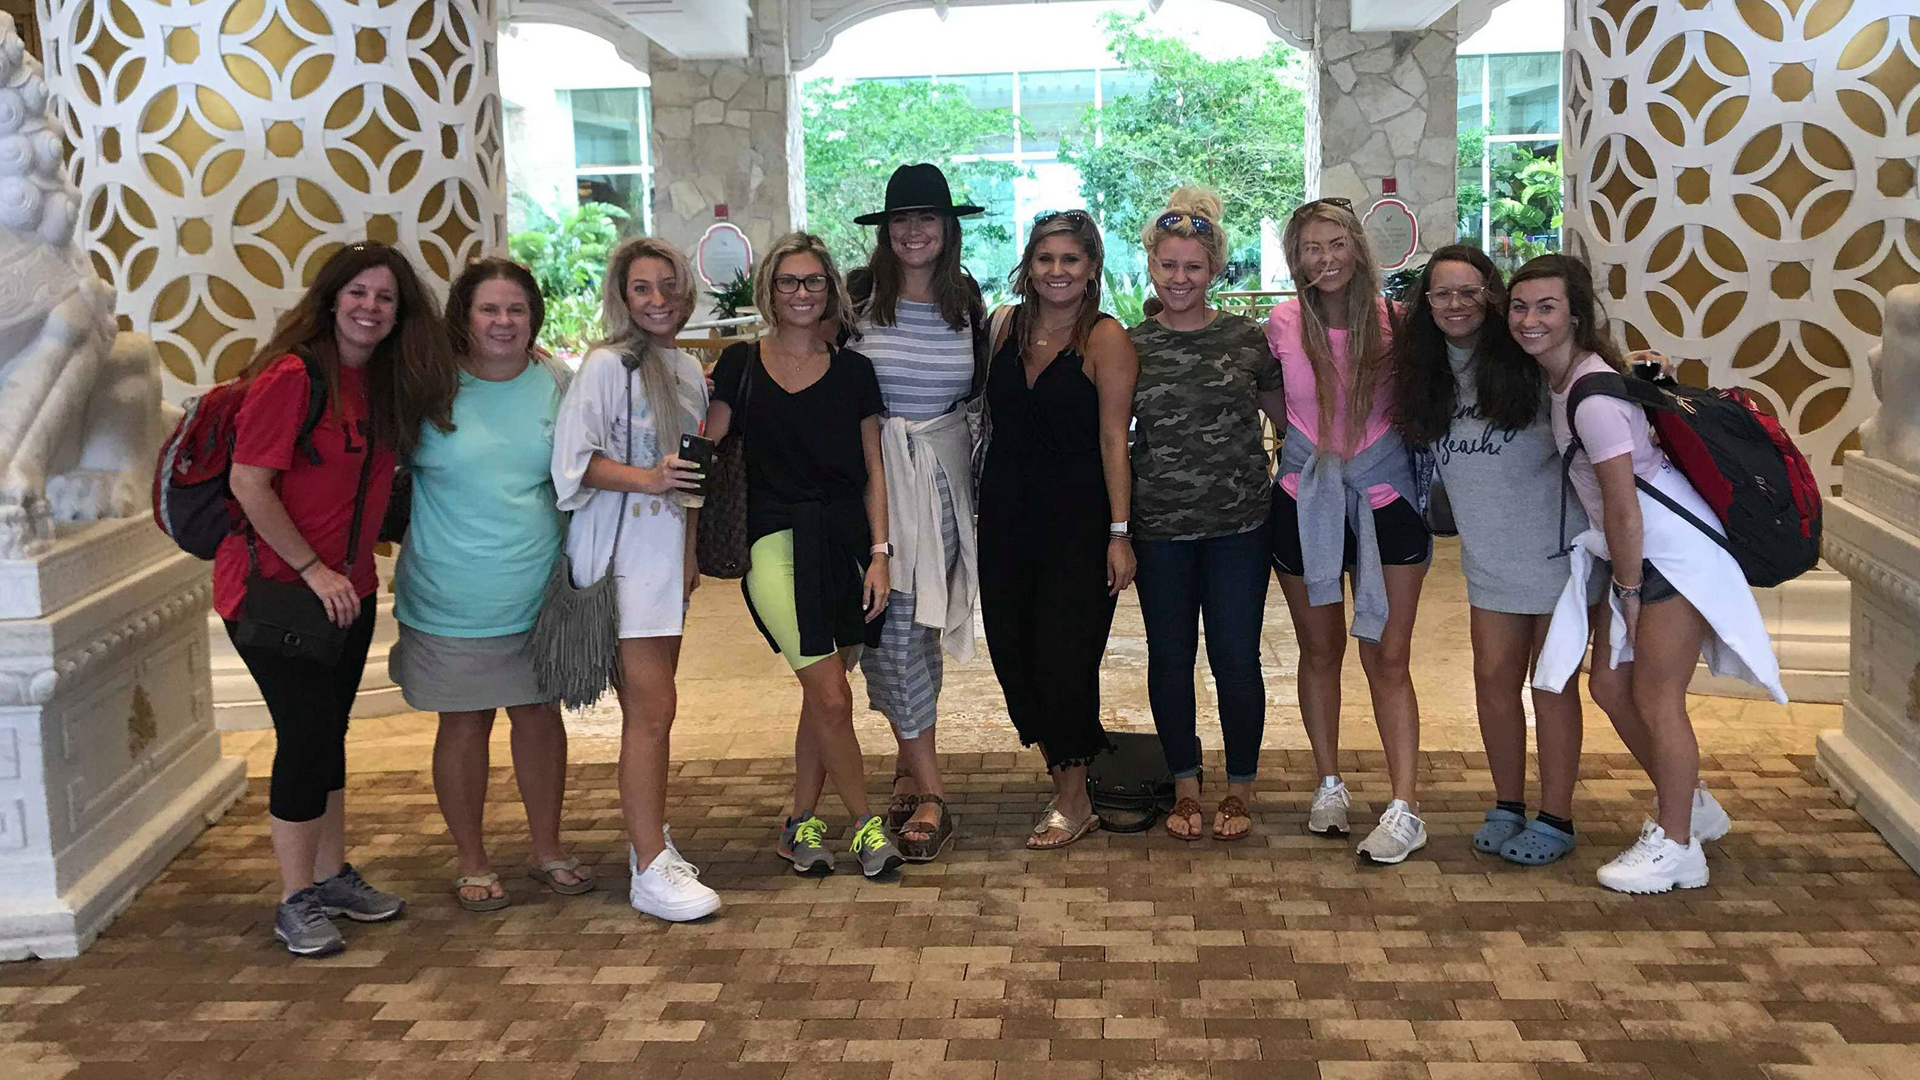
point(1501, 826)
point(1537, 845)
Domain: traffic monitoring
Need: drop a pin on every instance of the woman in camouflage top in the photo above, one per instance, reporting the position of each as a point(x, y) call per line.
point(1200, 505)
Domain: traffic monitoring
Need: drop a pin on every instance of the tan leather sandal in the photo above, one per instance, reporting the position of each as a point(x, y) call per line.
point(1231, 808)
point(489, 902)
point(1053, 820)
point(1186, 809)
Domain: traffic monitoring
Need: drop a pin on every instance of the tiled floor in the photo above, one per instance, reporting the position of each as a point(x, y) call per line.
point(1136, 957)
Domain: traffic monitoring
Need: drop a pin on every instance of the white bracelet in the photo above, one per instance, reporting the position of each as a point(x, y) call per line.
point(1117, 528)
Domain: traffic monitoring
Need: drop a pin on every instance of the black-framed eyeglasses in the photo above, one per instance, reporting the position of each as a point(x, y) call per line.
point(1071, 215)
point(1331, 200)
point(788, 283)
point(1200, 225)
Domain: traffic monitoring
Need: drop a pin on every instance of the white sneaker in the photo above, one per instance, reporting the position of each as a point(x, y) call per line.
point(1655, 864)
point(1399, 834)
point(1710, 820)
point(1328, 815)
point(666, 835)
point(670, 889)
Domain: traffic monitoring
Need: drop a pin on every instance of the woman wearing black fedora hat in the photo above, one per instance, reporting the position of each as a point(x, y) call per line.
point(918, 315)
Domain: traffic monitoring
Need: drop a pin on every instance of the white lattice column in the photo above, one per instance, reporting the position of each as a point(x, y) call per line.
point(1741, 179)
point(225, 148)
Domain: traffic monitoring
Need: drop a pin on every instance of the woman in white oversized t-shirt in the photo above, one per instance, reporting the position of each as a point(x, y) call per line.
point(1673, 589)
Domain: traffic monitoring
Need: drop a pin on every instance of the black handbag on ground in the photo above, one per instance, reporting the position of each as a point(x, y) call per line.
point(720, 540)
point(1130, 783)
point(286, 618)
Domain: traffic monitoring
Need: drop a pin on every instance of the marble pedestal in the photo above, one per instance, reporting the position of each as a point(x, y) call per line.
point(236, 698)
point(109, 762)
point(1873, 760)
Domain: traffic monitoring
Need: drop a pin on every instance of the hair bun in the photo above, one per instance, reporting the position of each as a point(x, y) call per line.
point(1195, 201)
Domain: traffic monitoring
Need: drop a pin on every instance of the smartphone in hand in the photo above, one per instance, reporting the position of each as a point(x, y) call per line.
point(697, 450)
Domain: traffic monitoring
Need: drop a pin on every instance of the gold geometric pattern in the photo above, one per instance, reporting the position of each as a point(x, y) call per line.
point(225, 148)
point(1752, 205)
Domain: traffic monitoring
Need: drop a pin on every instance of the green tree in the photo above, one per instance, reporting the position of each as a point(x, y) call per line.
point(568, 255)
point(1236, 126)
point(1525, 202)
point(857, 133)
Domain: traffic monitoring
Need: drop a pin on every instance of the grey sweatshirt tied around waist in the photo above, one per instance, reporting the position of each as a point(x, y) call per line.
point(1332, 497)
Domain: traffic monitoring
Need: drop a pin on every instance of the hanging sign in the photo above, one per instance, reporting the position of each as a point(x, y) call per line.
point(723, 252)
point(1393, 233)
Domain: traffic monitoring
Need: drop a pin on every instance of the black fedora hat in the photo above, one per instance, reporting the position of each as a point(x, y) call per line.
point(918, 187)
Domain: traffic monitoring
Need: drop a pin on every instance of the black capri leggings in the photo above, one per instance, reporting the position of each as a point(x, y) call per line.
point(310, 705)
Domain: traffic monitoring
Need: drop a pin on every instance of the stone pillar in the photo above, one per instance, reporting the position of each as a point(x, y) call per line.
point(1379, 107)
point(224, 149)
point(1873, 537)
point(728, 131)
point(1741, 180)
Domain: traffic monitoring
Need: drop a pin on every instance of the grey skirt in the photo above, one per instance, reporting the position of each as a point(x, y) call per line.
point(461, 674)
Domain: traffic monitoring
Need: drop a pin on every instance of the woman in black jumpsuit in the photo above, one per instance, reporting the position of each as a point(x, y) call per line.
point(1053, 547)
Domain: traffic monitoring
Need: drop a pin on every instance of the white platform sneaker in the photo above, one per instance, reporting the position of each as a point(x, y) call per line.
point(669, 888)
point(1655, 864)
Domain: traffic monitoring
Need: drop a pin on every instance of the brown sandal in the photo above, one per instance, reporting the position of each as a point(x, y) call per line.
point(1187, 808)
point(1231, 807)
point(902, 805)
point(920, 842)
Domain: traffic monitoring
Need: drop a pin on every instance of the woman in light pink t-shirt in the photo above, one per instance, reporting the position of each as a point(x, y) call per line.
point(1333, 346)
point(1554, 316)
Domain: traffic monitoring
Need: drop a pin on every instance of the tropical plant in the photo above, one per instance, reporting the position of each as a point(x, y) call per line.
point(567, 254)
point(1124, 296)
point(733, 297)
point(1236, 126)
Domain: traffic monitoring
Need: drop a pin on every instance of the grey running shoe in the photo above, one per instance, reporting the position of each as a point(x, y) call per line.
point(301, 924)
point(874, 848)
point(1328, 815)
point(1399, 834)
point(347, 893)
point(803, 843)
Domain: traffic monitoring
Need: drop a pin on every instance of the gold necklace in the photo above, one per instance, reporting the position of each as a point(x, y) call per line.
point(1043, 341)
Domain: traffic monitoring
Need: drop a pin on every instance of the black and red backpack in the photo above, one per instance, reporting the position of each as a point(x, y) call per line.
point(192, 501)
point(1740, 460)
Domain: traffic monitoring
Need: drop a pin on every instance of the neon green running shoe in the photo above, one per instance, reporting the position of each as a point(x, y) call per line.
point(803, 843)
point(874, 848)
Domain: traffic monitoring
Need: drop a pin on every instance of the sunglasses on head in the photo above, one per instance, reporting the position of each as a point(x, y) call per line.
point(1331, 200)
point(1169, 220)
point(1070, 215)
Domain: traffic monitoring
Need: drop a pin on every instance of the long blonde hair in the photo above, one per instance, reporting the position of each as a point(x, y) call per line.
point(1367, 337)
point(1026, 316)
point(634, 345)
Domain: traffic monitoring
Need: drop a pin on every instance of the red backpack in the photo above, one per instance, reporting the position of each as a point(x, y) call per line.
point(1738, 458)
point(192, 502)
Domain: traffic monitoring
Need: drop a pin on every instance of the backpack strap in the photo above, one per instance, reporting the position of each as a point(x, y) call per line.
point(1639, 392)
point(317, 390)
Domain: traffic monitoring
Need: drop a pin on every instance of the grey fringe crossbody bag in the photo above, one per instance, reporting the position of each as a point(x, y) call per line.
point(575, 642)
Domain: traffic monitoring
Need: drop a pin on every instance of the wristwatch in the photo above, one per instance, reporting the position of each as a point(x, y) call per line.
point(883, 549)
point(1118, 530)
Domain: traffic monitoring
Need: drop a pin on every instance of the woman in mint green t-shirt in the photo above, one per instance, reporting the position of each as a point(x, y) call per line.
point(482, 541)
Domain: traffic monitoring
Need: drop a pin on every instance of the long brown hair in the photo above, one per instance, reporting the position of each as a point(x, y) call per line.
point(1366, 336)
point(1508, 387)
point(1079, 225)
point(636, 346)
point(1589, 318)
point(953, 288)
point(411, 377)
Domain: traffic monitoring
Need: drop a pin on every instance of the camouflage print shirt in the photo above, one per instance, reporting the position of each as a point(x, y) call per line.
point(1199, 469)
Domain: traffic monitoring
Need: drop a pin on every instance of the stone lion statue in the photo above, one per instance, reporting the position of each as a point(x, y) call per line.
point(1893, 434)
point(80, 416)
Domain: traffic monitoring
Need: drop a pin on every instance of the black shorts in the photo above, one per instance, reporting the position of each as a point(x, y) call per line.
point(1401, 534)
point(1654, 586)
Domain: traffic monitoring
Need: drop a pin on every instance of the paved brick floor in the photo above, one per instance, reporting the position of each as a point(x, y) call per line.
point(1124, 957)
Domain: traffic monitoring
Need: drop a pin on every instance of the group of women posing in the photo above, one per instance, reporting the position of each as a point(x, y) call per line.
point(883, 416)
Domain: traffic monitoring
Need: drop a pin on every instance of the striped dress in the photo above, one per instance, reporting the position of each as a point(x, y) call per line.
point(925, 369)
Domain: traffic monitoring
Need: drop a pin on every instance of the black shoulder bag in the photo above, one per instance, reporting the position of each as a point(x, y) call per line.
point(286, 618)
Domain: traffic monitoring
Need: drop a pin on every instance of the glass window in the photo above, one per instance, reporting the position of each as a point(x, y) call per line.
point(630, 191)
point(1051, 103)
point(988, 92)
point(1470, 70)
point(608, 129)
point(1116, 83)
point(1525, 92)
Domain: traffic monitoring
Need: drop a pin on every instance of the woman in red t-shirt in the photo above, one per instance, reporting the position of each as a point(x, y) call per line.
point(368, 326)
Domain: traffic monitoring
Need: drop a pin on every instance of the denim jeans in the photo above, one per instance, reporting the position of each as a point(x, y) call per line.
point(1224, 579)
